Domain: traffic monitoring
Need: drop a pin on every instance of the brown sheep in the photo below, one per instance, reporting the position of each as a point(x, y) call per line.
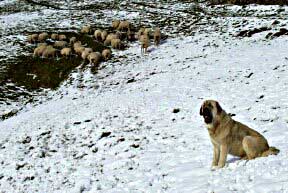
point(157, 36)
point(79, 50)
point(104, 34)
point(144, 40)
point(106, 54)
point(94, 58)
point(43, 36)
point(97, 34)
point(85, 29)
point(32, 38)
point(60, 44)
point(116, 43)
point(115, 24)
point(62, 37)
point(72, 40)
point(66, 52)
point(124, 25)
point(49, 52)
point(39, 50)
point(54, 36)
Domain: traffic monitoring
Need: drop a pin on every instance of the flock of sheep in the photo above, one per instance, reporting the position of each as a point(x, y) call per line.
point(59, 43)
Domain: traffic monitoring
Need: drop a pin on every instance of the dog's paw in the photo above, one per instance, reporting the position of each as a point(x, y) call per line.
point(214, 168)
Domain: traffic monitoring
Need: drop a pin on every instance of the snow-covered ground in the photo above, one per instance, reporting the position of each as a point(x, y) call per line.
point(115, 131)
point(119, 133)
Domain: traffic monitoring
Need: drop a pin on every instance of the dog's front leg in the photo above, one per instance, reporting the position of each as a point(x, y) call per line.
point(216, 153)
point(223, 155)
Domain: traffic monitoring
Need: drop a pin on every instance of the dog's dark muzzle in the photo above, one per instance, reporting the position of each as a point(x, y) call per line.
point(208, 117)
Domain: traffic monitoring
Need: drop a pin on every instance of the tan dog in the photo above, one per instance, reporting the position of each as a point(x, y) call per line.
point(233, 137)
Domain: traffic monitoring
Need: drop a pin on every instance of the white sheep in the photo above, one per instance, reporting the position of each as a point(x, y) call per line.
point(104, 34)
point(33, 38)
point(60, 44)
point(66, 52)
point(39, 50)
point(144, 40)
point(116, 43)
point(72, 40)
point(49, 52)
point(78, 50)
point(97, 34)
point(84, 55)
point(86, 29)
point(94, 58)
point(54, 36)
point(89, 50)
point(124, 25)
point(115, 24)
point(62, 37)
point(106, 54)
point(43, 36)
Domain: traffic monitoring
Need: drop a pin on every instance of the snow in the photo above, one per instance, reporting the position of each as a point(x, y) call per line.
point(151, 149)
point(113, 136)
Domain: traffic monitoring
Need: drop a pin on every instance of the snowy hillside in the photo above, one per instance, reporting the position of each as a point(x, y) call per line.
point(135, 126)
point(124, 137)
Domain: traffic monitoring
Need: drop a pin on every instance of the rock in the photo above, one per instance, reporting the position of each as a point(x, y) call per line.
point(135, 145)
point(131, 80)
point(176, 110)
point(26, 140)
point(105, 134)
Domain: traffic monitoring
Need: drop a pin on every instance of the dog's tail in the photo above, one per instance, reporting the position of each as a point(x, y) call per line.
point(270, 151)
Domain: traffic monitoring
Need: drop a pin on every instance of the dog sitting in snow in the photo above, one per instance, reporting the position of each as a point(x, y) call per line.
point(233, 137)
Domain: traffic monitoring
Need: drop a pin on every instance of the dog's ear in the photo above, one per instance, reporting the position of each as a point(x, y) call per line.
point(201, 111)
point(219, 108)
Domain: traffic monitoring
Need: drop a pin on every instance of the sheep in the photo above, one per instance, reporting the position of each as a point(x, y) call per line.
point(147, 31)
point(130, 35)
point(106, 54)
point(60, 44)
point(157, 36)
point(79, 50)
point(66, 52)
point(116, 43)
point(77, 44)
point(39, 50)
point(112, 36)
point(94, 58)
point(104, 34)
point(107, 42)
point(32, 38)
point(62, 37)
point(115, 24)
point(42, 44)
point(140, 32)
point(89, 50)
point(144, 40)
point(42, 37)
point(85, 29)
point(124, 25)
point(97, 34)
point(85, 54)
point(54, 36)
point(72, 40)
point(49, 52)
